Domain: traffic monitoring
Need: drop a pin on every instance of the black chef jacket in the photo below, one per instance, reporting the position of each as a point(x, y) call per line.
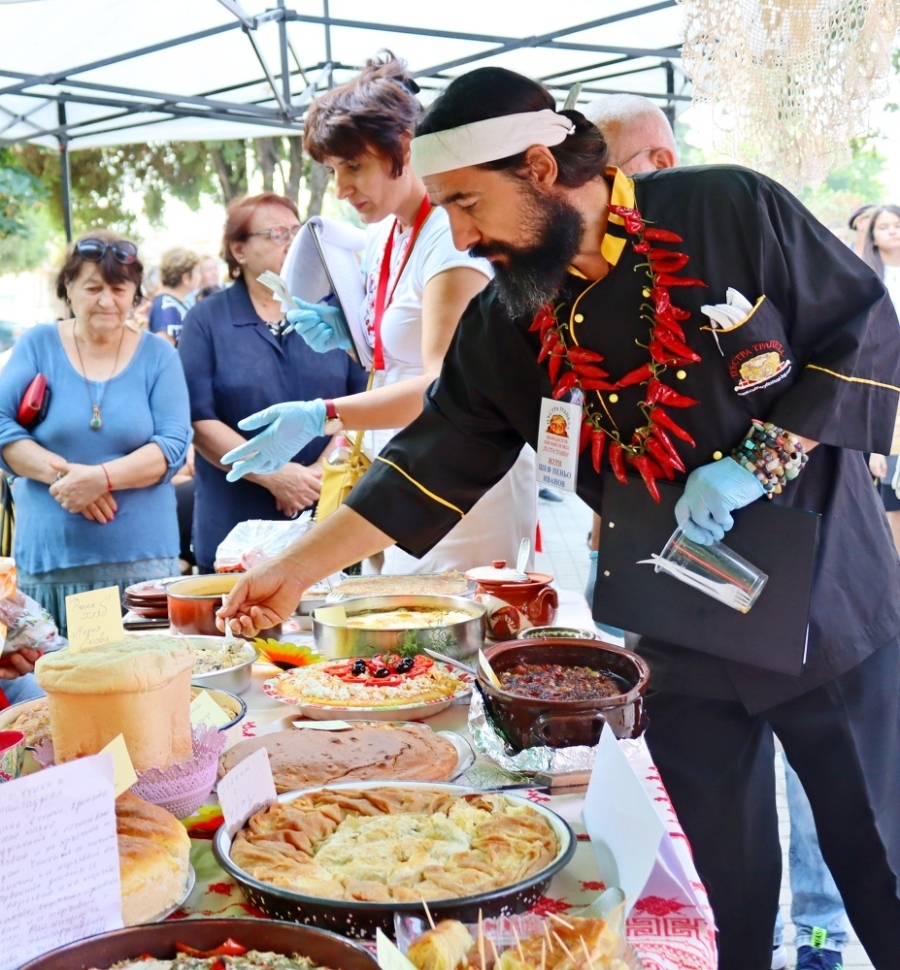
point(836, 379)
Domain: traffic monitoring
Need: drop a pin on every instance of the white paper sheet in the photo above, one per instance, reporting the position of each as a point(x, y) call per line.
point(306, 278)
point(623, 824)
point(59, 859)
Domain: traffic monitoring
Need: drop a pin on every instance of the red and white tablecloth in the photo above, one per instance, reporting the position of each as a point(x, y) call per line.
point(668, 929)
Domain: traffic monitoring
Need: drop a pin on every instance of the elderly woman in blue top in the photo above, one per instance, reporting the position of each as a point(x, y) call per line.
point(95, 506)
point(237, 360)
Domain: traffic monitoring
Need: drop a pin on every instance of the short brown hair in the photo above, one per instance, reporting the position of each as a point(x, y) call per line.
point(238, 217)
point(112, 271)
point(174, 263)
point(371, 112)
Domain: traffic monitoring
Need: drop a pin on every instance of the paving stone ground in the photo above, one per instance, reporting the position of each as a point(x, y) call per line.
point(564, 529)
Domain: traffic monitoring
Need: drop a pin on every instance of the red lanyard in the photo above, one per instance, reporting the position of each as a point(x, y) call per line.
point(382, 299)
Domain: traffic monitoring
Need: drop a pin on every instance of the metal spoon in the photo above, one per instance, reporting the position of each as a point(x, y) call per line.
point(524, 552)
point(452, 661)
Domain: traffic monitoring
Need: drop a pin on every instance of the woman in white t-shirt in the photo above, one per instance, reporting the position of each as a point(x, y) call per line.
point(417, 286)
point(882, 253)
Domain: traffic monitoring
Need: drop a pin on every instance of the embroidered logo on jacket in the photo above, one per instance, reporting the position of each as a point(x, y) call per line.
point(759, 366)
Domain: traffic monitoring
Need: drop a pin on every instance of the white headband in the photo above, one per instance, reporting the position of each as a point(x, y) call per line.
point(488, 140)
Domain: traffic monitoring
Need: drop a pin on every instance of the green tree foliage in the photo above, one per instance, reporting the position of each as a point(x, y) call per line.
point(20, 191)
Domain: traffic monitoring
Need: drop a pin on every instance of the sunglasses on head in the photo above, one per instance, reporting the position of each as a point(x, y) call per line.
point(93, 250)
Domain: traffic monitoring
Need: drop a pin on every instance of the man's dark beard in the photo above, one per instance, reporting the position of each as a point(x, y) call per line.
point(533, 273)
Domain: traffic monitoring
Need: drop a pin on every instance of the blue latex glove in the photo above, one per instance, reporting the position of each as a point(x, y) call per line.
point(317, 324)
point(290, 426)
point(711, 493)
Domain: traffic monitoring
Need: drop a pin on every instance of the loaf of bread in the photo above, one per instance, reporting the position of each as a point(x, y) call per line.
point(139, 687)
point(153, 859)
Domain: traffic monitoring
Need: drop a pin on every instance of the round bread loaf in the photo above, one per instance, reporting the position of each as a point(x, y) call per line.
point(364, 752)
point(153, 859)
point(134, 664)
point(139, 687)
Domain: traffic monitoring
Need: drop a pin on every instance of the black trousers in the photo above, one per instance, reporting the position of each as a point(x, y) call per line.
point(717, 762)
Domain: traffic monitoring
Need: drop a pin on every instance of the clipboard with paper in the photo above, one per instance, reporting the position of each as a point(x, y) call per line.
point(781, 541)
point(323, 266)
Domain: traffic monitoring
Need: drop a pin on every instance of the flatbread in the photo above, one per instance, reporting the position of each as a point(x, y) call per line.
point(364, 752)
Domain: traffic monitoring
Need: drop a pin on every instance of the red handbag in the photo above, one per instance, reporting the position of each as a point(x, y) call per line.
point(34, 403)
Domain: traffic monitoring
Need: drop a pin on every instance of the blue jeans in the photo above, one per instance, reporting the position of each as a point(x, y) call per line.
point(816, 902)
point(21, 689)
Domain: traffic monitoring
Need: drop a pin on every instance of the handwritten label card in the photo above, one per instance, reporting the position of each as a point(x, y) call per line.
point(204, 710)
point(94, 618)
point(59, 859)
point(246, 789)
point(124, 775)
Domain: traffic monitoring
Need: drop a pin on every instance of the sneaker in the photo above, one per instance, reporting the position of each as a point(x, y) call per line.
point(549, 495)
point(779, 957)
point(815, 958)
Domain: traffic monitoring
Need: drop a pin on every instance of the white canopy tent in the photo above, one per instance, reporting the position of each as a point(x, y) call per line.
point(86, 73)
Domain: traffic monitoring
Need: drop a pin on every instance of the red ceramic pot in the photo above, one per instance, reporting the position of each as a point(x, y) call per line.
point(513, 604)
point(529, 721)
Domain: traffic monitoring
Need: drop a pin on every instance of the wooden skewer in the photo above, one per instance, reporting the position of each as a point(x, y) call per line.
point(546, 929)
point(518, 942)
point(494, 948)
point(428, 914)
point(561, 921)
point(587, 953)
point(481, 941)
point(543, 954)
point(561, 942)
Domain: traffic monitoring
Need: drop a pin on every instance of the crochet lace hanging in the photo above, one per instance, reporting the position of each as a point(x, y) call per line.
point(789, 82)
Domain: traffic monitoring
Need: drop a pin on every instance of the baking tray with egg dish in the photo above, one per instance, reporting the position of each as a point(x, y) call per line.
point(348, 857)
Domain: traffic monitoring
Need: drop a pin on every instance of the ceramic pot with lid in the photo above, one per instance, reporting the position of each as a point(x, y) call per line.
point(513, 601)
point(192, 603)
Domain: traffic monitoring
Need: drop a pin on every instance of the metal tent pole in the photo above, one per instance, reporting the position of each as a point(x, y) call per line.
point(65, 170)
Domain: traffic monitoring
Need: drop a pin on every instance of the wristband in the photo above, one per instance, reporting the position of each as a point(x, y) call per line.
point(333, 422)
point(773, 455)
point(109, 486)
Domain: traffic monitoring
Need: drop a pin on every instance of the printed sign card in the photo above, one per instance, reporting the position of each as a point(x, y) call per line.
point(94, 618)
point(559, 435)
point(246, 789)
point(59, 859)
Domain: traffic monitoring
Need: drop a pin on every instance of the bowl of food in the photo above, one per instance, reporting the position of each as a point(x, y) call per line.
point(192, 603)
point(418, 584)
point(560, 692)
point(368, 625)
point(234, 707)
point(558, 633)
point(222, 662)
point(300, 947)
point(375, 849)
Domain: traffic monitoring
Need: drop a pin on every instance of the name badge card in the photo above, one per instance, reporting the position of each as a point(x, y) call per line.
point(59, 859)
point(557, 445)
point(246, 789)
point(94, 618)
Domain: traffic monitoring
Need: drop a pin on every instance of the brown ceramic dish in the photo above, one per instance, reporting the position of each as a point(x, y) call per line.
point(159, 939)
point(526, 721)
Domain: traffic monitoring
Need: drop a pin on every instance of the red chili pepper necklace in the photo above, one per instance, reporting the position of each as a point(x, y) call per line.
point(650, 450)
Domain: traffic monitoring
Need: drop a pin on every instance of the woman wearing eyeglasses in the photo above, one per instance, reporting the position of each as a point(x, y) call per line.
point(95, 506)
point(237, 359)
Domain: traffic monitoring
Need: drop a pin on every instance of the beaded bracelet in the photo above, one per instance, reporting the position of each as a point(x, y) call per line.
point(774, 455)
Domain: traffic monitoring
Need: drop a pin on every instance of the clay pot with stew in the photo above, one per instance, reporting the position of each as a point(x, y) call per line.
point(554, 720)
point(513, 601)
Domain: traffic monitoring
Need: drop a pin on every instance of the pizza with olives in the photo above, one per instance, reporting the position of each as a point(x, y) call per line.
point(382, 681)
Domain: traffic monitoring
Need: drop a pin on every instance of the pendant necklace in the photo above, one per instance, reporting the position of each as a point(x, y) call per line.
point(96, 417)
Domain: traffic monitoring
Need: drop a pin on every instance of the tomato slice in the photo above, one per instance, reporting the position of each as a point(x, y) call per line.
point(230, 948)
point(395, 680)
point(336, 669)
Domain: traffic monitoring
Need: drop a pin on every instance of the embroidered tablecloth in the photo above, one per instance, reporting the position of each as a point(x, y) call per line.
point(669, 933)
